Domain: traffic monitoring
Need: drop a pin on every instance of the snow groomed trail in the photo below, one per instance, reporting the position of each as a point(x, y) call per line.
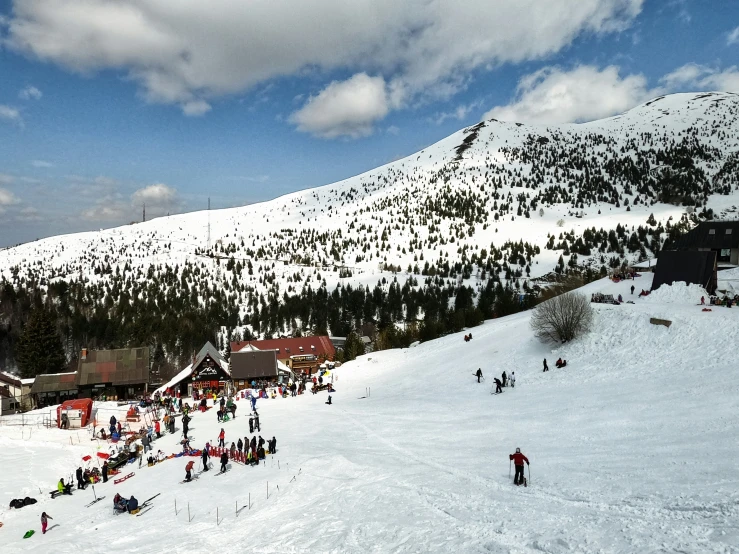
point(633, 448)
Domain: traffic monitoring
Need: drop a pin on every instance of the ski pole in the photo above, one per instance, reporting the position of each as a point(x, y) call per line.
point(529, 466)
point(509, 468)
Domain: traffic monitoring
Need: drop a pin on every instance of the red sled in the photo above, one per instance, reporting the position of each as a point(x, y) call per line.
point(123, 478)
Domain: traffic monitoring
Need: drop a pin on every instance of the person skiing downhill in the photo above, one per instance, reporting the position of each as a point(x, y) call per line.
point(478, 374)
point(188, 470)
point(498, 386)
point(518, 460)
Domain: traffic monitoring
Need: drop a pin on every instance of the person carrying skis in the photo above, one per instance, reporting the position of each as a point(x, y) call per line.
point(45, 521)
point(205, 456)
point(222, 438)
point(188, 470)
point(478, 374)
point(498, 386)
point(224, 461)
point(504, 379)
point(518, 460)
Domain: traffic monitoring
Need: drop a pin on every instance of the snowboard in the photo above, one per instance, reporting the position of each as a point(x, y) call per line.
point(142, 512)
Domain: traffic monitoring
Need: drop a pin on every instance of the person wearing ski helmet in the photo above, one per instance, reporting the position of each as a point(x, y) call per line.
point(518, 460)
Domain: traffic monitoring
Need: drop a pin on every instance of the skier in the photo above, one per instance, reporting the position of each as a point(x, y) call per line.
point(256, 423)
point(512, 379)
point(505, 379)
point(158, 429)
point(251, 425)
point(205, 456)
point(222, 438)
point(80, 482)
point(185, 424)
point(105, 471)
point(498, 386)
point(260, 442)
point(219, 414)
point(518, 460)
point(240, 446)
point(44, 521)
point(546, 367)
point(224, 461)
point(188, 470)
point(273, 446)
point(233, 450)
point(479, 374)
point(329, 400)
point(253, 443)
point(632, 289)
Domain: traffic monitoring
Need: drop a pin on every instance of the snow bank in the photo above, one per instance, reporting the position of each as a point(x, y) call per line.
point(677, 293)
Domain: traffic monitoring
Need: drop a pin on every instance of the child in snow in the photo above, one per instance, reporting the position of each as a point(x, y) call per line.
point(44, 521)
point(222, 438)
point(188, 470)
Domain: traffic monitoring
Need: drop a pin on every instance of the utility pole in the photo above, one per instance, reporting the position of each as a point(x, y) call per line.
point(209, 223)
point(144, 220)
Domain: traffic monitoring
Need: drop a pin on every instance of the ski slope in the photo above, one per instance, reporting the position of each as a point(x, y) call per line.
point(633, 448)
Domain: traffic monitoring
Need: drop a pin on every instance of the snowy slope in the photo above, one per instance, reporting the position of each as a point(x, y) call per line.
point(633, 449)
point(403, 213)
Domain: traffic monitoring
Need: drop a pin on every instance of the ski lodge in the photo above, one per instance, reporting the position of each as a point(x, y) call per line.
point(302, 355)
point(54, 388)
point(721, 237)
point(120, 374)
point(208, 371)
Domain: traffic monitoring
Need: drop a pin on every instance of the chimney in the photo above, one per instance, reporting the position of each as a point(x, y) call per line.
point(84, 354)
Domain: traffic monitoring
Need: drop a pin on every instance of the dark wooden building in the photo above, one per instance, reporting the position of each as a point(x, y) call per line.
point(721, 237)
point(121, 374)
point(251, 364)
point(208, 371)
point(54, 388)
point(698, 267)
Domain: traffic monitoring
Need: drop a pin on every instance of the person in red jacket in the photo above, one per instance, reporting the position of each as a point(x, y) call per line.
point(222, 439)
point(518, 460)
point(158, 429)
point(188, 470)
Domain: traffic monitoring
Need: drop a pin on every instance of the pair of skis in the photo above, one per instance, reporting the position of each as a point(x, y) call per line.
point(146, 506)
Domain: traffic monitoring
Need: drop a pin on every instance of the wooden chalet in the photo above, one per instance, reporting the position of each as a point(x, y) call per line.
point(209, 371)
point(120, 374)
point(303, 355)
point(54, 388)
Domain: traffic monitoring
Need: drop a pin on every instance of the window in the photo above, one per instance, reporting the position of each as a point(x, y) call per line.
point(712, 231)
point(301, 348)
point(728, 231)
point(312, 347)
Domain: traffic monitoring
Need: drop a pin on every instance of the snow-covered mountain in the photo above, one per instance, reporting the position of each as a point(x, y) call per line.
point(495, 198)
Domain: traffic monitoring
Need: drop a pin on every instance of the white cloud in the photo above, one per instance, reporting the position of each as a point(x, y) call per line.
point(459, 113)
point(344, 108)
point(701, 77)
point(195, 107)
point(30, 93)
point(733, 37)
point(585, 93)
point(7, 198)
point(6, 179)
point(10, 113)
point(159, 198)
point(189, 52)
point(41, 163)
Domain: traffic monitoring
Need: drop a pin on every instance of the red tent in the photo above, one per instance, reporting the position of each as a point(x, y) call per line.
point(84, 405)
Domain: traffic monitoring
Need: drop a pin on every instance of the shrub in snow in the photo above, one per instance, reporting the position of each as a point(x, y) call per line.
point(562, 318)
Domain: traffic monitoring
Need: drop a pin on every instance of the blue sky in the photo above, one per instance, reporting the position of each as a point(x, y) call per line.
point(105, 105)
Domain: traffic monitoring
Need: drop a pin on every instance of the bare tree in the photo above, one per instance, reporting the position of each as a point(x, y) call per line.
point(562, 318)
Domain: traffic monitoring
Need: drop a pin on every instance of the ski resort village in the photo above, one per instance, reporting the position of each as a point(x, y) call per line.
point(508, 324)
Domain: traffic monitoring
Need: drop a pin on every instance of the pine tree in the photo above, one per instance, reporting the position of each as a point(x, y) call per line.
point(39, 348)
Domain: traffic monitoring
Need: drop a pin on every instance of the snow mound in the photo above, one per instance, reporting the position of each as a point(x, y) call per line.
point(677, 293)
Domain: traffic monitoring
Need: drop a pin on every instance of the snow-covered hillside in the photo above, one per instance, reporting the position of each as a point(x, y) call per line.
point(466, 201)
point(632, 447)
